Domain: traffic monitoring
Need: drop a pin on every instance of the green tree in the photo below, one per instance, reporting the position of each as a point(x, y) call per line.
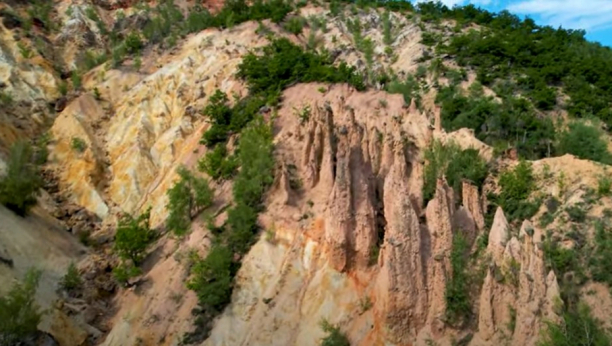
point(133, 237)
point(72, 280)
point(450, 161)
point(334, 337)
point(578, 327)
point(20, 185)
point(217, 164)
point(190, 194)
point(457, 295)
point(19, 313)
point(585, 141)
point(211, 278)
point(517, 184)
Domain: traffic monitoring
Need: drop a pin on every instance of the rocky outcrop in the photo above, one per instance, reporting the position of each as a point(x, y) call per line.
point(402, 287)
point(77, 155)
point(439, 214)
point(472, 202)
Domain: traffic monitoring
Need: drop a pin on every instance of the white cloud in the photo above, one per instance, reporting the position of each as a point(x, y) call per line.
point(590, 15)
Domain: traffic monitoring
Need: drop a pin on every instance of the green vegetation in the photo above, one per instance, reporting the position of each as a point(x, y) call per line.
point(211, 277)
point(19, 313)
point(458, 306)
point(218, 164)
point(189, 195)
point(604, 185)
point(72, 280)
point(455, 164)
point(282, 63)
point(20, 185)
point(78, 144)
point(578, 327)
point(334, 336)
point(511, 123)
point(295, 25)
point(517, 184)
point(125, 271)
point(585, 141)
point(133, 237)
point(600, 261)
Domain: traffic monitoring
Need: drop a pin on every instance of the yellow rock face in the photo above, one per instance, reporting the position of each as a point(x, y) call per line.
point(80, 172)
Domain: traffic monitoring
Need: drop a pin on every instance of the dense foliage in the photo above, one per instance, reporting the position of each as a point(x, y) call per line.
point(133, 237)
point(509, 123)
point(538, 58)
point(450, 161)
point(585, 141)
point(600, 260)
point(578, 327)
point(283, 63)
point(20, 185)
point(19, 313)
point(218, 164)
point(188, 196)
point(457, 295)
point(516, 185)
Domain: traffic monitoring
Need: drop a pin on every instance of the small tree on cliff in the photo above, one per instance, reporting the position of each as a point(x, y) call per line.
point(19, 313)
point(189, 194)
point(18, 188)
point(133, 236)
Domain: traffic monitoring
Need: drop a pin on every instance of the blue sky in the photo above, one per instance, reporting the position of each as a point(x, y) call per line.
point(594, 16)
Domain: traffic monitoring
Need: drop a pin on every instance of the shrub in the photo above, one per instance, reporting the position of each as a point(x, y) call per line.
point(78, 144)
point(516, 187)
point(295, 25)
point(255, 153)
point(133, 43)
point(211, 278)
point(125, 271)
point(18, 189)
point(604, 185)
point(578, 327)
point(283, 63)
point(455, 164)
point(19, 313)
point(72, 279)
point(217, 164)
point(585, 141)
point(600, 261)
point(133, 237)
point(457, 296)
point(188, 195)
point(76, 78)
point(334, 336)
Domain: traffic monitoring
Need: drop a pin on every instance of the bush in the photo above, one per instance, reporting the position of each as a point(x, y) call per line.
point(72, 279)
point(125, 271)
point(584, 141)
point(516, 187)
point(283, 63)
point(18, 189)
point(217, 164)
point(211, 278)
point(295, 25)
point(334, 336)
point(255, 153)
point(133, 237)
point(578, 327)
point(78, 144)
point(455, 164)
point(189, 194)
point(600, 262)
point(604, 185)
point(458, 307)
point(19, 313)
